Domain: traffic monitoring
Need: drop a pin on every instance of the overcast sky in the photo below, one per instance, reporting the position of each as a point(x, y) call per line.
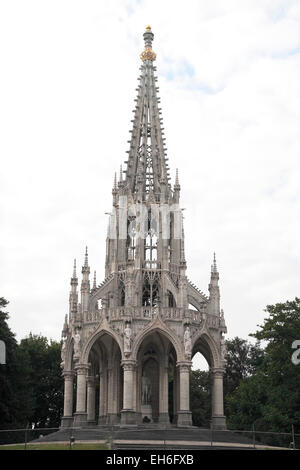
point(229, 78)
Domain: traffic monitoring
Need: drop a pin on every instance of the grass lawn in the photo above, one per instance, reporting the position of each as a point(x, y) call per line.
point(55, 447)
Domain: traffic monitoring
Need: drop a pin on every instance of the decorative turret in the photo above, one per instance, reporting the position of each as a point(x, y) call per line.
point(85, 283)
point(214, 291)
point(73, 294)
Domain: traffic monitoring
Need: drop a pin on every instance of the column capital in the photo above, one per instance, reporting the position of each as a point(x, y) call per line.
point(184, 365)
point(68, 374)
point(217, 371)
point(128, 365)
point(82, 369)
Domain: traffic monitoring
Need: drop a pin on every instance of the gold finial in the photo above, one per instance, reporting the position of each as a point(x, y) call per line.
point(148, 53)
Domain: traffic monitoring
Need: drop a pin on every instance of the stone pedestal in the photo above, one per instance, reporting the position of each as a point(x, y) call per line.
point(112, 418)
point(128, 417)
point(184, 418)
point(218, 423)
point(164, 418)
point(67, 422)
point(80, 419)
point(146, 411)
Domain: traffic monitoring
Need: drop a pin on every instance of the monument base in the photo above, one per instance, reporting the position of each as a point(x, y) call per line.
point(128, 417)
point(184, 418)
point(218, 423)
point(67, 422)
point(146, 411)
point(80, 419)
point(164, 418)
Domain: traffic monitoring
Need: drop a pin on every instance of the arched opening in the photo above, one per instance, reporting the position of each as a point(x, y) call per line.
point(104, 381)
point(200, 384)
point(156, 379)
point(171, 299)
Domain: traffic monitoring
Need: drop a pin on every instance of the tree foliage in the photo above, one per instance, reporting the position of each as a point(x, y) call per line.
point(270, 398)
point(200, 393)
point(15, 396)
point(45, 379)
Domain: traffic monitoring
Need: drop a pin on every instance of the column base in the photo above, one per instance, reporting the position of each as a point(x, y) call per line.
point(184, 418)
point(164, 418)
point(67, 422)
point(218, 423)
point(80, 419)
point(112, 418)
point(102, 420)
point(91, 422)
point(129, 417)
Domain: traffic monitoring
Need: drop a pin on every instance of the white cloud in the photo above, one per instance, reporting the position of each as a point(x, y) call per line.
point(229, 75)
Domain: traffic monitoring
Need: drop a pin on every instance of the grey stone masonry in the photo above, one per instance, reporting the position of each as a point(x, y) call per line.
point(129, 341)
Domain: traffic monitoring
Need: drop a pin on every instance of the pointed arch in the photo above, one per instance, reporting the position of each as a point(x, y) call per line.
point(158, 326)
point(94, 337)
point(206, 345)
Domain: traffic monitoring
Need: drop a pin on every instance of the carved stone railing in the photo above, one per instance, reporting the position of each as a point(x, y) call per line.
point(149, 313)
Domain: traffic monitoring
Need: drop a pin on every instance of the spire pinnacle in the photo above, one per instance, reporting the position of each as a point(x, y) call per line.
point(95, 283)
point(214, 265)
point(86, 260)
point(148, 53)
point(114, 190)
point(177, 185)
point(74, 269)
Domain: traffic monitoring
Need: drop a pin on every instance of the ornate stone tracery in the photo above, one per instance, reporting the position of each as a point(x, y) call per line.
point(152, 320)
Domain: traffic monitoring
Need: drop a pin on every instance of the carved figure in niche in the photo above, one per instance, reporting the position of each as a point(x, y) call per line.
point(223, 348)
point(146, 390)
point(77, 341)
point(127, 338)
point(187, 341)
point(63, 350)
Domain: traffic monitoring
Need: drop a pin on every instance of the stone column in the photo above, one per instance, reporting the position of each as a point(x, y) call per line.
point(80, 416)
point(91, 396)
point(102, 399)
point(184, 415)
point(67, 419)
point(218, 419)
point(128, 415)
point(164, 396)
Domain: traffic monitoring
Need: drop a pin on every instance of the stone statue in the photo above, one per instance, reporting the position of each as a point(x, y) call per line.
point(222, 348)
point(77, 343)
point(63, 350)
point(146, 390)
point(222, 320)
point(187, 341)
point(127, 338)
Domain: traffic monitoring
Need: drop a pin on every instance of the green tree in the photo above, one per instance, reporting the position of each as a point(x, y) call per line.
point(45, 379)
point(242, 360)
point(280, 330)
point(200, 397)
point(270, 398)
point(15, 394)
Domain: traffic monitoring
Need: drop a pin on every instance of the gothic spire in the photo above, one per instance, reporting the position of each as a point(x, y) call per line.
point(74, 270)
point(214, 265)
point(86, 258)
point(147, 164)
